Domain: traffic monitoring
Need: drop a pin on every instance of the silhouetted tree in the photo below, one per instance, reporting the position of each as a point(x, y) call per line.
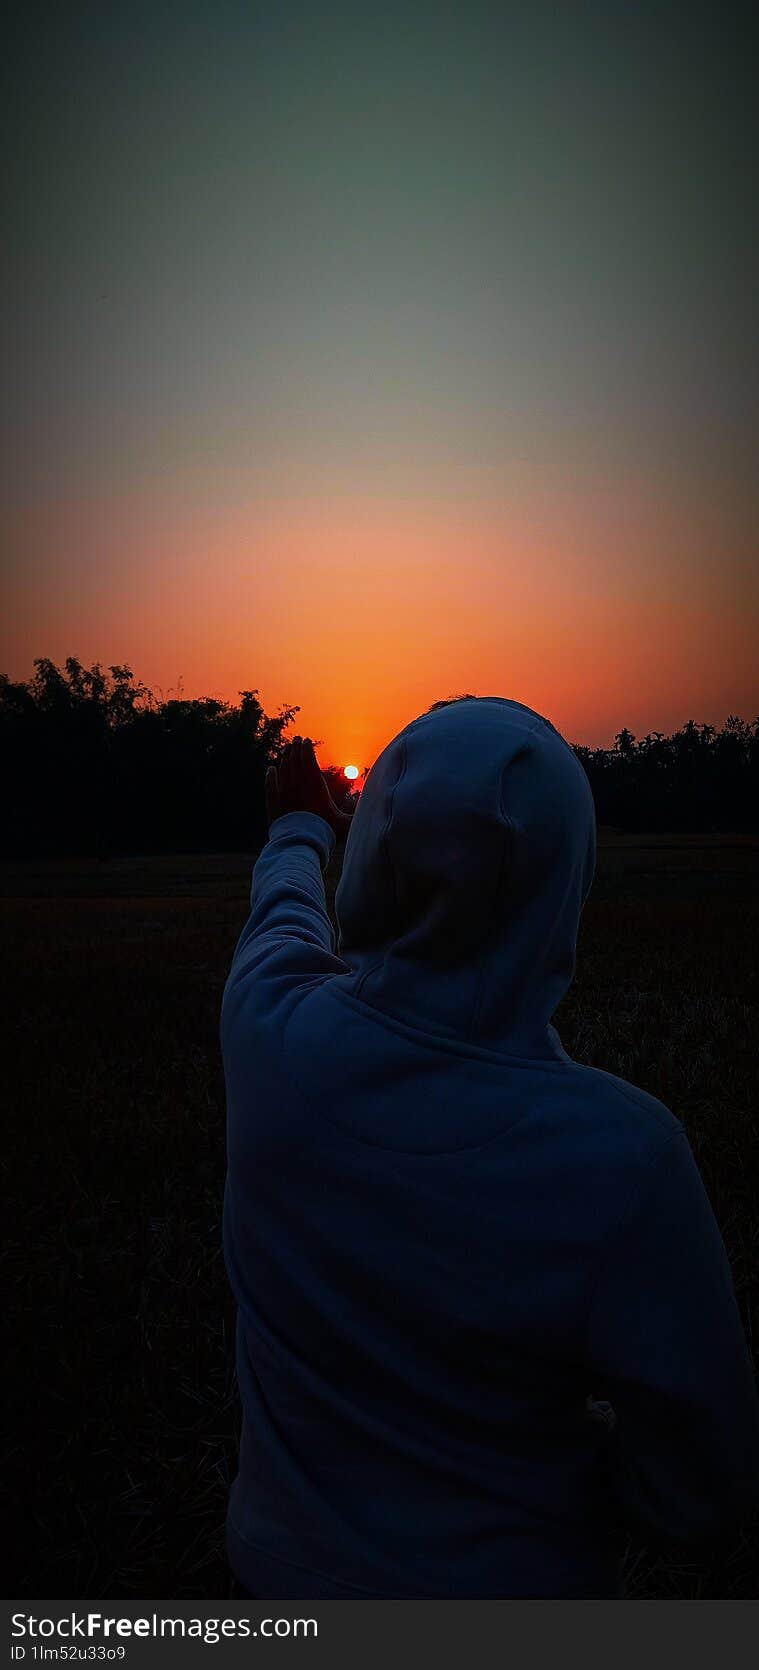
point(93, 762)
point(699, 778)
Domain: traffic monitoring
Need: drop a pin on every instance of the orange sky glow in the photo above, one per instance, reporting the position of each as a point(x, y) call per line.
point(369, 356)
point(597, 611)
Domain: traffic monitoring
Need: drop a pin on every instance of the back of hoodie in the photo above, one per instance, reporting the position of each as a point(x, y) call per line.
point(443, 1235)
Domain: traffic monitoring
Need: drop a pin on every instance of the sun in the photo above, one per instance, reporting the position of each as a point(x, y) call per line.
point(351, 772)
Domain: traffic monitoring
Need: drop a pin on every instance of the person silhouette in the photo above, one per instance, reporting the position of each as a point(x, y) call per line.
point(485, 1317)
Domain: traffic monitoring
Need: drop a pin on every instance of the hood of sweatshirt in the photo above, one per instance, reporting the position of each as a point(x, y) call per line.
point(469, 859)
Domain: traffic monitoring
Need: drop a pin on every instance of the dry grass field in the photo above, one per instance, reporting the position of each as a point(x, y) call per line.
point(122, 1433)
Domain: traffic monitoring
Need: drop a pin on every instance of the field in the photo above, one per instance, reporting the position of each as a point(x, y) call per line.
point(121, 1439)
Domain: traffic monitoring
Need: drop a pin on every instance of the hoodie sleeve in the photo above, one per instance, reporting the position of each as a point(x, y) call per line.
point(667, 1349)
point(288, 940)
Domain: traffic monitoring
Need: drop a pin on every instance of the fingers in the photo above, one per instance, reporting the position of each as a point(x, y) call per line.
point(311, 767)
point(302, 765)
point(271, 791)
point(289, 766)
point(301, 783)
point(291, 755)
point(283, 781)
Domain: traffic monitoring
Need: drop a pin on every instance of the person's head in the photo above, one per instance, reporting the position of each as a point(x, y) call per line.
point(471, 853)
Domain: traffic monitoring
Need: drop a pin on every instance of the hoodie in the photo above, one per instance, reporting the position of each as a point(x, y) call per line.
point(486, 1321)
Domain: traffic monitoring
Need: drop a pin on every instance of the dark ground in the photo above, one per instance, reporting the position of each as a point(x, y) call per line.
point(122, 1434)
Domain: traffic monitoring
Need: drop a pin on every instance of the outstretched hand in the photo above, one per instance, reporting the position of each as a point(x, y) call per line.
point(296, 784)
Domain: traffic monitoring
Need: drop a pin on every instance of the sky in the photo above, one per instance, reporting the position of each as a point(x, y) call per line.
point(366, 356)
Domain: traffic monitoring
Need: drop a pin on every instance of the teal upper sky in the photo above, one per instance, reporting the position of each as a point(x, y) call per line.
point(422, 248)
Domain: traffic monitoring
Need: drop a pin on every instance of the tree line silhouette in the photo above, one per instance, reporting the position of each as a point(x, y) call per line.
point(94, 763)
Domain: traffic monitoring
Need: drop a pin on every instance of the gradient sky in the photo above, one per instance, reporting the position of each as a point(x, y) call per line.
point(368, 356)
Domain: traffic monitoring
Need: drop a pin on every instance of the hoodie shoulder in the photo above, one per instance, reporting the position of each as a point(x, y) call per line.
point(610, 1133)
point(627, 1104)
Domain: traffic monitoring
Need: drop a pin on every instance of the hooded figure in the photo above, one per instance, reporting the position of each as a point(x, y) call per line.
point(486, 1321)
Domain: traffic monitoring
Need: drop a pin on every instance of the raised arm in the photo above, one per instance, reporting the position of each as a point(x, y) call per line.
point(287, 942)
point(666, 1347)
